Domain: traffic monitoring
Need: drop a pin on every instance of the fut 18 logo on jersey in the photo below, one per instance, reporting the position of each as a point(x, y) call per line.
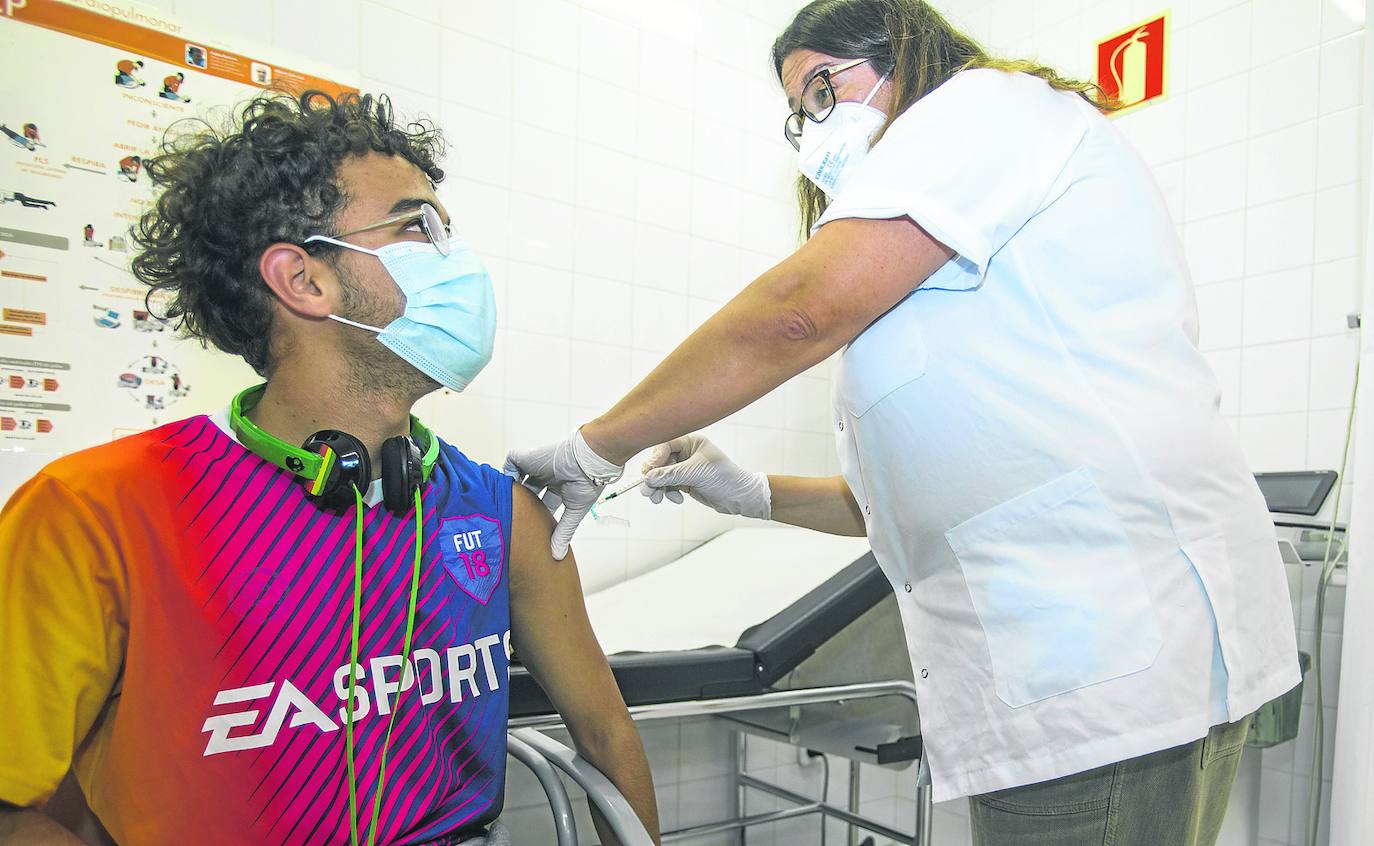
point(473, 551)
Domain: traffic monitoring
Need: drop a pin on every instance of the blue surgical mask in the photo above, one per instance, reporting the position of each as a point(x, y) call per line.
point(448, 328)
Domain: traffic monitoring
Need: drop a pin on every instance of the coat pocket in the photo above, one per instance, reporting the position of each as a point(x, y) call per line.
point(1058, 590)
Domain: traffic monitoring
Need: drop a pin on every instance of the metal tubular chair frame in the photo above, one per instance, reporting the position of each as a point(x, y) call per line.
point(773, 699)
point(604, 795)
point(564, 823)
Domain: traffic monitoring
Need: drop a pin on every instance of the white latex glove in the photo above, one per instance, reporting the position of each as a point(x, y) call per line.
point(569, 473)
point(697, 466)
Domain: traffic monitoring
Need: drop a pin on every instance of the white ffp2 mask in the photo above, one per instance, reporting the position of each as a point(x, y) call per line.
point(831, 149)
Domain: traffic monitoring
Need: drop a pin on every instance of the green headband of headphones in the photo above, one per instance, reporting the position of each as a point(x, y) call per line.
point(312, 467)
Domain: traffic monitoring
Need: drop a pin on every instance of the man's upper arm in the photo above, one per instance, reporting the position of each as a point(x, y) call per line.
point(550, 630)
point(62, 634)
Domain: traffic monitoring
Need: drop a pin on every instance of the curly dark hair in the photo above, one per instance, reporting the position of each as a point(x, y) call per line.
point(268, 175)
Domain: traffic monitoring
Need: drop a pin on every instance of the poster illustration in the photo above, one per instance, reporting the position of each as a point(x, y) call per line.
point(84, 357)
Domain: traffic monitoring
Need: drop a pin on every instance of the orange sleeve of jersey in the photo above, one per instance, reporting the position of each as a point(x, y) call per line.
point(63, 628)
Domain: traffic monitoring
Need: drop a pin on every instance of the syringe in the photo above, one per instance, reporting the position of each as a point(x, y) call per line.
point(613, 494)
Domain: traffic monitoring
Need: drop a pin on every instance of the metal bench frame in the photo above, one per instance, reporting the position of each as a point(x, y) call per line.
point(609, 801)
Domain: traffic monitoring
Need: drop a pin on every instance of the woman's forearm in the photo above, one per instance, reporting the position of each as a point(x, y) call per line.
point(822, 503)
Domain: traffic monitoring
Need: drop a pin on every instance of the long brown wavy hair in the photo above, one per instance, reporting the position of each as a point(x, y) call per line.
point(910, 42)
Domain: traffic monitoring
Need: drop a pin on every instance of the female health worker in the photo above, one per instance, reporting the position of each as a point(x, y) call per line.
point(1093, 600)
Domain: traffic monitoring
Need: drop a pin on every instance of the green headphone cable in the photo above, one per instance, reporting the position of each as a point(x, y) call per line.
point(353, 664)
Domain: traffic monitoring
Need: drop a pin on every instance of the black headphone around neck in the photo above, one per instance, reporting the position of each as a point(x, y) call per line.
point(332, 463)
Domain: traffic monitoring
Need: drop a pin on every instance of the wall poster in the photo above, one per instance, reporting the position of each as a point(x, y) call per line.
point(83, 358)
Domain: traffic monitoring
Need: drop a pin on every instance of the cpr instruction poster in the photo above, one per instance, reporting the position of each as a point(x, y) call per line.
point(83, 359)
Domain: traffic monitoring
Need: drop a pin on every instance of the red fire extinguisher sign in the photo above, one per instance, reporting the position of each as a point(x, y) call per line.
point(1132, 65)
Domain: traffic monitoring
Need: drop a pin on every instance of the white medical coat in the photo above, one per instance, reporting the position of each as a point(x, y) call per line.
point(1085, 567)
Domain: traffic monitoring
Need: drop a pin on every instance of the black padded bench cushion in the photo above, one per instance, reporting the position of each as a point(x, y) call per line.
point(765, 652)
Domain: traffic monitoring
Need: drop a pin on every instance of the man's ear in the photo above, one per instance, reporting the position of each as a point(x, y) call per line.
point(302, 283)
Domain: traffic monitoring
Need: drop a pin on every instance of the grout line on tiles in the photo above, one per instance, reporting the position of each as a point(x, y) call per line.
point(1216, 13)
point(1245, 204)
point(358, 12)
point(1316, 171)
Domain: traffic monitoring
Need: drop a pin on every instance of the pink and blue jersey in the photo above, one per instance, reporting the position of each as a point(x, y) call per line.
point(175, 616)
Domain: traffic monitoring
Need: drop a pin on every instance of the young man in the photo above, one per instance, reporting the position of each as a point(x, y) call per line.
point(229, 638)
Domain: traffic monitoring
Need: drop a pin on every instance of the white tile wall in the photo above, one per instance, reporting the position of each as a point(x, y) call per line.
point(618, 163)
point(1216, 247)
point(1283, 164)
point(1215, 182)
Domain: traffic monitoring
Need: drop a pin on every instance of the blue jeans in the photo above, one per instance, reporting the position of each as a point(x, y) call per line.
point(1175, 797)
